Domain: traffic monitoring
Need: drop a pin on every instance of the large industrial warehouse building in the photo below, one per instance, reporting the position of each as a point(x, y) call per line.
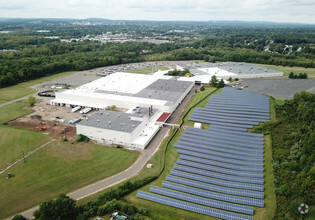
point(145, 99)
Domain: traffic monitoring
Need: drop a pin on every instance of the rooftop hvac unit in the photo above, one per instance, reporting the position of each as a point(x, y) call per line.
point(109, 122)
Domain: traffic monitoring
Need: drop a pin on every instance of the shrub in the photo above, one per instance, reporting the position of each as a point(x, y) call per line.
point(82, 138)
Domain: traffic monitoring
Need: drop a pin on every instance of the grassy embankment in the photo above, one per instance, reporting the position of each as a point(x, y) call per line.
point(23, 89)
point(270, 196)
point(60, 167)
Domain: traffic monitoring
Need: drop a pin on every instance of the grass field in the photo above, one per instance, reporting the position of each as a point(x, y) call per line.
point(296, 70)
point(270, 196)
point(60, 167)
point(14, 140)
point(22, 89)
point(12, 111)
point(147, 70)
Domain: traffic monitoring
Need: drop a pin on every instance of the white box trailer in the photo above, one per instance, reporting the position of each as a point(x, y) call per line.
point(85, 110)
point(75, 109)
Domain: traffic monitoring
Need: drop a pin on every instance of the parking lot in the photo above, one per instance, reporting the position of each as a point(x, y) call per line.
point(281, 88)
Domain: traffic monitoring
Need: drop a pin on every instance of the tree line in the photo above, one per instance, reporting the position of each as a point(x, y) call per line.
point(293, 152)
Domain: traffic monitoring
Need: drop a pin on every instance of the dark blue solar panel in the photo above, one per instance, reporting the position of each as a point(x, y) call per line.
point(219, 169)
point(222, 164)
point(214, 195)
point(221, 159)
point(248, 186)
point(202, 200)
point(192, 207)
point(220, 144)
point(217, 110)
point(217, 119)
point(211, 138)
point(218, 175)
point(239, 116)
point(231, 150)
point(245, 141)
point(212, 152)
point(228, 130)
point(215, 188)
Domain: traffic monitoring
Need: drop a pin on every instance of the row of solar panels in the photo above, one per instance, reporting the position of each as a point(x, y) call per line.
point(221, 164)
point(219, 182)
point(235, 109)
point(215, 151)
point(219, 136)
point(218, 175)
point(214, 195)
point(192, 207)
point(221, 167)
point(215, 188)
point(219, 159)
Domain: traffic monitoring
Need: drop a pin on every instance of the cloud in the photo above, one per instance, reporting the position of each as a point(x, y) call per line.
point(261, 10)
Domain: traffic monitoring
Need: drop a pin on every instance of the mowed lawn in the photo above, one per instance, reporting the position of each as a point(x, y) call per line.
point(296, 70)
point(23, 89)
point(147, 70)
point(60, 167)
point(15, 140)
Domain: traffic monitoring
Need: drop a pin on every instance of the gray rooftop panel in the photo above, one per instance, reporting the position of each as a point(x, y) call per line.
point(111, 120)
point(162, 89)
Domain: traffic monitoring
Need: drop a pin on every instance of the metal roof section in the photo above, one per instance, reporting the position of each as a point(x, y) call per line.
point(117, 121)
point(163, 117)
point(162, 89)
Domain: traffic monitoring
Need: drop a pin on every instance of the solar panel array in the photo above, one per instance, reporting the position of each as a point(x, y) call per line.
point(220, 170)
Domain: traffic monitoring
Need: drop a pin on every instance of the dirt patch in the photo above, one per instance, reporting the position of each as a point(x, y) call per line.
point(55, 129)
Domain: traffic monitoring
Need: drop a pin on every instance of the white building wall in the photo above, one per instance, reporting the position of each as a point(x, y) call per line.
point(96, 102)
point(94, 133)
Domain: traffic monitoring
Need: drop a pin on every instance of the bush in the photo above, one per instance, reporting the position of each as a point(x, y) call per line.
point(82, 138)
point(19, 217)
point(31, 100)
point(62, 208)
point(202, 88)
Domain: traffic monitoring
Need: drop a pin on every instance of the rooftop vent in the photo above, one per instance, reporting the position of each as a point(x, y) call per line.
point(118, 115)
point(109, 122)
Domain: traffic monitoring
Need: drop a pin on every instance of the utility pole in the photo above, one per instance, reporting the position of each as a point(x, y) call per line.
point(23, 156)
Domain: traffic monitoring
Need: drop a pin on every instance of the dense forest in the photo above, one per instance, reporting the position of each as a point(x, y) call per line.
point(34, 48)
point(293, 149)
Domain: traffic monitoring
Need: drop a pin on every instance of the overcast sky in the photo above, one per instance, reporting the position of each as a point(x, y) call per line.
point(302, 11)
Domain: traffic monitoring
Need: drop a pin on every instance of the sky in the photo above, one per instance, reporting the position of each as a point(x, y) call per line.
point(297, 11)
